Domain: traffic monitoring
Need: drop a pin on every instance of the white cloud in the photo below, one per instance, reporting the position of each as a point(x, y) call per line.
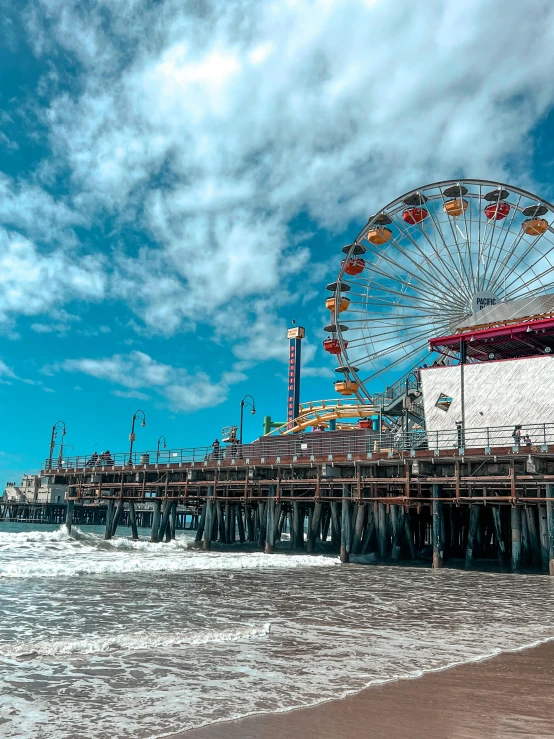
point(211, 135)
point(137, 371)
point(32, 283)
point(6, 371)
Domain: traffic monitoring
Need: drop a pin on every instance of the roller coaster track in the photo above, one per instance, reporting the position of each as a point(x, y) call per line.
point(320, 412)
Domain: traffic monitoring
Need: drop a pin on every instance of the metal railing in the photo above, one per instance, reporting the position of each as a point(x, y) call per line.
point(531, 437)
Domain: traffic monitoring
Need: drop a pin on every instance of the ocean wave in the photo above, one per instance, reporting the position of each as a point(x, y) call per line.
point(196, 561)
point(138, 641)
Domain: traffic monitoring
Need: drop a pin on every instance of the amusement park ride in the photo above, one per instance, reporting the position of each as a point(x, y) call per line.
point(452, 275)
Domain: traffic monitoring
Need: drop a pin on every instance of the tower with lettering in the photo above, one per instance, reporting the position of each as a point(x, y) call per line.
point(295, 336)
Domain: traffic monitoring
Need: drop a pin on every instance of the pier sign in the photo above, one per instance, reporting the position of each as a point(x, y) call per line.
point(483, 299)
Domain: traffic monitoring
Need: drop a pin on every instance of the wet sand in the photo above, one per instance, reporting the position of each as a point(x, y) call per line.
point(507, 697)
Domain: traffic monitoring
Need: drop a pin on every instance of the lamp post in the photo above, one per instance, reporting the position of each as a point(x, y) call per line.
point(407, 398)
point(58, 424)
point(158, 449)
point(251, 403)
point(132, 435)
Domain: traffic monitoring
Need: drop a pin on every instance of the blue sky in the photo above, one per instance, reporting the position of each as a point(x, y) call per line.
point(177, 181)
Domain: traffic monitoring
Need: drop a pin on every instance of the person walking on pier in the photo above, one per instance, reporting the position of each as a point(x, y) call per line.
point(216, 449)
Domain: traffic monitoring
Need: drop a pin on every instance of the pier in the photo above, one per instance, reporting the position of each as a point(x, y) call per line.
point(408, 498)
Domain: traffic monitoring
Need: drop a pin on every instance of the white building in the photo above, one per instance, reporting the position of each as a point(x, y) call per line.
point(36, 489)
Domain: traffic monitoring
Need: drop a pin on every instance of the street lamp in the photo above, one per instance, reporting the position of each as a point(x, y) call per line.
point(251, 403)
point(407, 397)
point(132, 435)
point(165, 445)
point(53, 437)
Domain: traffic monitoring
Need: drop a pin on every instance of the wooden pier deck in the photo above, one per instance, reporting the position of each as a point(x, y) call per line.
point(449, 504)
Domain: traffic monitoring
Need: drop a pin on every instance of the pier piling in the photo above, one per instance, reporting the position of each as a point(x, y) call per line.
point(472, 533)
point(438, 529)
point(133, 520)
point(209, 522)
point(550, 526)
point(346, 525)
point(109, 519)
point(69, 515)
point(516, 537)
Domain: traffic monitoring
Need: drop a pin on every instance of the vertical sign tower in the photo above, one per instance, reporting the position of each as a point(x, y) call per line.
point(295, 336)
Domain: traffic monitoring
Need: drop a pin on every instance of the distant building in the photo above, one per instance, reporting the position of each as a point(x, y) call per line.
point(36, 489)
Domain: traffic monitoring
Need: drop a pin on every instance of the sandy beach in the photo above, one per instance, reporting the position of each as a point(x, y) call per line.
point(506, 697)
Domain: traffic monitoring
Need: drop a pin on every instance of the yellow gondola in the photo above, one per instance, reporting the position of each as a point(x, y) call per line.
point(344, 302)
point(455, 208)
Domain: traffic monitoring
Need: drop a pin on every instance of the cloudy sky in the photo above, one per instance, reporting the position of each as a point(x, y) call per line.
point(177, 180)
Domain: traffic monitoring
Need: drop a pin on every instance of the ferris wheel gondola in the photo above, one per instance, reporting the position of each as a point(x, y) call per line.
point(423, 264)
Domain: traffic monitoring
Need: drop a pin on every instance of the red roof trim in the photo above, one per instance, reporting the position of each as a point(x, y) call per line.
point(510, 330)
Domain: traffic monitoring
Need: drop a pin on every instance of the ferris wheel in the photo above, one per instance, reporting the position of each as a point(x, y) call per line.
point(423, 264)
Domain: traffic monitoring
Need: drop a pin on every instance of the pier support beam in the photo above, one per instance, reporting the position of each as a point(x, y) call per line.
point(117, 516)
point(156, 520)
point(133, 520)
point(270, 521)
point(501, 545)
point(200, 525)
point(109, 519)
point(358, 519)
point(335, 524)
point(69, 515)
point(382, 530)
point(250, 536)
point(209, 519)
point(438, 528)
point(397, 518)
point(164, 520)
point(543, 535)
point(472, 533)
point(314, 527)
point(516, 537)
point(550, 527)
point(409, 533)
point(346, 525)
point(240, 524)
point(369, 527)
point(534, 542)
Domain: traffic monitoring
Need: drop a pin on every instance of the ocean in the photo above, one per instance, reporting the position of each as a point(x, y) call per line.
point(128, 639)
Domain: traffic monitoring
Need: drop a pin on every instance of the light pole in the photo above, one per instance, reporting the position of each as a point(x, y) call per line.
point(53, 442)
point(251, 404)
point(132, 435)
point(407, 398)
point(158, 451)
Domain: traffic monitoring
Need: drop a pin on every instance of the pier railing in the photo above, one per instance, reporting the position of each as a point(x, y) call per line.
point(302, 447)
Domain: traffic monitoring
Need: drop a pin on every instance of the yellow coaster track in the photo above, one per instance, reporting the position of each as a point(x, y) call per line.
point(320, 412)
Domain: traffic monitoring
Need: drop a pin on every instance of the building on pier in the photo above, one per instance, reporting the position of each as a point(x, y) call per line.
point(48, 488)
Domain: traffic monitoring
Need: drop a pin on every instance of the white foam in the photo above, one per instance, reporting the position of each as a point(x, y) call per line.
point(138, 641)
point(53, 554)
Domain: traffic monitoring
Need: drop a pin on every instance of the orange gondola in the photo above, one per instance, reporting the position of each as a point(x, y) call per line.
point(535, 226)
point(379, 236)
point(346, 387)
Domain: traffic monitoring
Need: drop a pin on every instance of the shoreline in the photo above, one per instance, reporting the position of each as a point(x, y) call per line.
point(506, 696)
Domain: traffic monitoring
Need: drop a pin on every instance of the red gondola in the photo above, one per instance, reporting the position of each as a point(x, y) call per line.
point(354, 266)
point(497, 211)
point(414, 215)
point(333, 346)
